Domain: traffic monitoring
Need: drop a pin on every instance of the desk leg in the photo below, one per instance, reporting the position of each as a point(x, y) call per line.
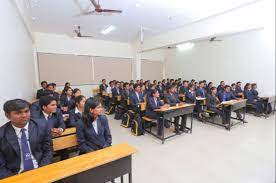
point(163, 130)
point(122, 179)
point(192, 117)
point(130, 177)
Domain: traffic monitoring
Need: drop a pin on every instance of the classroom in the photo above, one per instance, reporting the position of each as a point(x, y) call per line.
point(165, 91)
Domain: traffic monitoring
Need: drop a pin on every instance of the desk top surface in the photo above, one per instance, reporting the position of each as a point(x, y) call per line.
point(173, 107)
point(72, 166)
point(231, 102)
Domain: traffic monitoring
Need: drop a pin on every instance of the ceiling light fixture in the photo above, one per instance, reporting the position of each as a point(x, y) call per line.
point(185, 46)
point(108, 30)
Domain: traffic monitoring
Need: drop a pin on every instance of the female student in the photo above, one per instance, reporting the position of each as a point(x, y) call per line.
point(93, 131)
point(76, 112)
point(209, 86)
point(66, 101)
point(76, 92)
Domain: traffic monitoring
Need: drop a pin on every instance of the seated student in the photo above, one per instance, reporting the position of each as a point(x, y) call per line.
point(125, 96)
point(205, 84)
point(67, 101)
point(192, 82)
point(220, 87)
point(238, 88)
point(136, 97)
point(66, 85)
point(35, 108)
point(76, 112)
point(190, 96)
point(160, 89)
point(267, 106)
point(116, 91)
point(43, 88)
point(184, 88)
point(25, 143)
point(93, 131)
point(154, 83)
point(200, 92)
point(151, 87)
point(154, 103)
point(233, 89)
point(196, 85)
point(172, 99)
point(213, 102)
point(103, 86)
point(227, 95)
point(251, 100)
point(76, 92)
point(55, 94)
point(209, 86)
point(51, 114)
point(131, 87)
point(121, 85)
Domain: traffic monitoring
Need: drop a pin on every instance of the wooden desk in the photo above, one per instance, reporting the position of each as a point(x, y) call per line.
point(67, 131)
point(171, 112)
point(97, 167)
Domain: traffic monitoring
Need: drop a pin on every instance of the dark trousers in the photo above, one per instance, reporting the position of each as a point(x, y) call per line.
point(183, 122)
point(219, 112)
point(258, 104)
point(160, 122)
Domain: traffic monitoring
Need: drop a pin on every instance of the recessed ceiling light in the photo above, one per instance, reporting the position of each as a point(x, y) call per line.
point(108, 30)
point(138, 5)
point(185, 46)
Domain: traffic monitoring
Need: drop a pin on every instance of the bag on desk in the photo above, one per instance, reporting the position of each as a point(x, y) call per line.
point(127, 119)
point(137, 126)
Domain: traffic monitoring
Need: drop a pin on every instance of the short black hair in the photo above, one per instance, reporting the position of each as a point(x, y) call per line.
point(238, 82)
point(125, 84)
point(79, 98)
point(135, 86)
point(221, 82)
point(76, 90)
point(15, 105)
point(200, 82)
point(46, 100)
point(51, 84)
point(233, 84)
point(103, 80)
point(43, 82)
point(46, 93)
point(213, 88)
point(226, 86)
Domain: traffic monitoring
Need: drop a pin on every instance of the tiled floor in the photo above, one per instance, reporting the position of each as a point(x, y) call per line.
point(211, 154)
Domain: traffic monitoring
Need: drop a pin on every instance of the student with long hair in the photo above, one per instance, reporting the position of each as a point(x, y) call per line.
point(76, 112)
point(93, 131)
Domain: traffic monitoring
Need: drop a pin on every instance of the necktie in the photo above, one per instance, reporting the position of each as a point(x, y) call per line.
point(138, 97)
point(155, 102)
point(224, 97)
point(27, 157)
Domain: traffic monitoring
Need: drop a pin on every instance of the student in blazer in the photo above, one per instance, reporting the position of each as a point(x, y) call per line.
point(212, 103)
point(103, 86)
point(76, 112)
point(136, 97)
point(248, 94)
point(22, 136)
point(172, 99)
point(93, 131)
point(66, 100)
point(40, 91)
point(51, 115)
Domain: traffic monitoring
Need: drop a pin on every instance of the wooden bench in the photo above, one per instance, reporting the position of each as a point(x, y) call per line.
point(97, 167)
point(65, 142)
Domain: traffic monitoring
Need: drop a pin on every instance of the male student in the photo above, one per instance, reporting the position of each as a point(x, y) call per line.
point(25, 143)
point(116, 91)
point(172, 99)
point(184, 88)
point(136, 97)
point(43, 87)
point(35, 108)
point(200, 92)
point(212, 105)
point(221, 86)
point(125, 95)
point(227, 95)
point(249, 95)
point(51, 114)
point(103, 86)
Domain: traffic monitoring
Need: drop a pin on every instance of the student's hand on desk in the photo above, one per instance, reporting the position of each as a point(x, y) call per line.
point(57, 131)
point(165, 106)
point(181, 103)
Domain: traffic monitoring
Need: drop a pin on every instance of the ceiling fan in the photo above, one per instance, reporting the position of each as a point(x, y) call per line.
point(99, 10)
point(79, 34)
point(214, 39)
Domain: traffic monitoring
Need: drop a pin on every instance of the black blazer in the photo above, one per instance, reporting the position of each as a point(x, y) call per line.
point(55, 121)
point(103, 87)
point(73, 118)
point(65, 102)
point(35, 110)
point(40, 144)
point(151, 106)
point(39, 93)
point(172, 99)
point(87, 138)
point(212, 101)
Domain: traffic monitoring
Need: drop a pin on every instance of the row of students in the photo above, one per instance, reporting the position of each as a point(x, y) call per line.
point(26, 143)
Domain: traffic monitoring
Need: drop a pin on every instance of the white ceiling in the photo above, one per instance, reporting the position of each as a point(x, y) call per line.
point(58, 16)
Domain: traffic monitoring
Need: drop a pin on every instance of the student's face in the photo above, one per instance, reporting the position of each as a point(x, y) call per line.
point(201, 85)
point(97, 111)
point(78, 93)
point(210, 85)
point(249, 87)
point(44, 85)
point(69, 92)
point(185, 84)
point(67, 85)
point(239, 84)
point(234, 87)
point(227, 89)
point(127, 87)
point(81, 104)
point(104, 81)
point(51, 88)
point(214, 91)
point(254, 87)
point(138, 89)
point(223, 84)
point(19, 118)
point(156, 94)
point(131, 86)
point(51, 108)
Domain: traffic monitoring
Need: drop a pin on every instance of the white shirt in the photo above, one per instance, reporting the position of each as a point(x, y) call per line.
point(19, 134)
point(137, 94)
point(108, 90)
point(95, 125)
point(77, 111)
point(47, 116)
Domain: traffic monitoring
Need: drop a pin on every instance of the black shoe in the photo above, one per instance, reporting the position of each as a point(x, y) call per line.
point(184, 130)
point(177, 132)
point(167, 125)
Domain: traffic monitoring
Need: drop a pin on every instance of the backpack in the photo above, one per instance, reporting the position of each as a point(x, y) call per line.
point(137, 128)
point(127, 119)
point(119, 113)
point(110, 110)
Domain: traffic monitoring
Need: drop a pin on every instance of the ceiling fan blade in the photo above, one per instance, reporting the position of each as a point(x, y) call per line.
point(88, 36)
point(110, 11)
point(95, 4)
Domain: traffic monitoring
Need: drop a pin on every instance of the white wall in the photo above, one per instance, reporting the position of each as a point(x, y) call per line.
point(241, 19)
point(17, 70)
point(246, 57)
